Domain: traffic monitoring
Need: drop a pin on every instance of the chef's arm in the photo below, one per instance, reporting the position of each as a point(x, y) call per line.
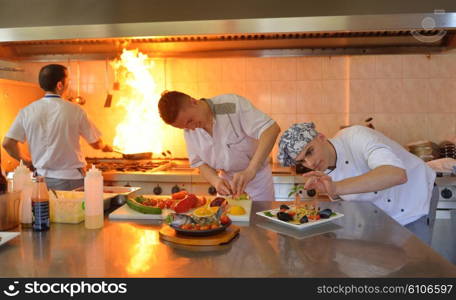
point(99, 145)
point(11, 146)
point(221, 185)
point(209, 173)
point(380, 178)
point(265, 145)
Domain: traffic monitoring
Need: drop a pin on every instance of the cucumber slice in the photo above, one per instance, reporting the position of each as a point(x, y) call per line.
point(143, 208)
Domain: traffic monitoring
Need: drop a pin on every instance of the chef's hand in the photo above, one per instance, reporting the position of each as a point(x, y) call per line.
point(240, 181)
point(320, 182)
point(222, 186)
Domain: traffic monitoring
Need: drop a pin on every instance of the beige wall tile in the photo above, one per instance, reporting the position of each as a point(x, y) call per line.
point(259, 93)
point(233, 87)
point(310, 68)
point(190, 88)
point(336, 67)
point(440, 126)
point(309, 97)
point(361, 67)
point(327, 124)
point(91, 72)
point(181, 70)
point(442, 95)
point(361, 96)
point(415, 66)
point(258, 69)
point(209, 70)
point(442, 66)
point(388, 66)
point(415, 93)
point(283, 97)
point(209, 89)
point(283, 68)
point(233, 69)
point(388, 96)
point(388, 124)
point(335, 96)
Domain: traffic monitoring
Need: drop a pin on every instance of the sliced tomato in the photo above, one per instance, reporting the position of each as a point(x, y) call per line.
point(193, 199)
point(224, 220)
point(179, 195)
point(201, 201)
point(169, 203)
point(183, 205)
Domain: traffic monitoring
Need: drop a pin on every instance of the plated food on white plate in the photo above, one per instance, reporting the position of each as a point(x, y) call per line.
point(300, 217)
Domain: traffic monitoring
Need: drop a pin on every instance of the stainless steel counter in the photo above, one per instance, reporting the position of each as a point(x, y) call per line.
point(364, 243)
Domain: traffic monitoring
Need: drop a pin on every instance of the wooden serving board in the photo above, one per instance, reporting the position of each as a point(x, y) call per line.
point(169, 234)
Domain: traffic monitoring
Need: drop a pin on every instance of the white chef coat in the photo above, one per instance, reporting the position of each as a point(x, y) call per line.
point(236, 129)
point(52, 127)
point(360, 149)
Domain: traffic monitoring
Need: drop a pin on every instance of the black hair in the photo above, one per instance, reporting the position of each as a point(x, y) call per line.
point(50, 75)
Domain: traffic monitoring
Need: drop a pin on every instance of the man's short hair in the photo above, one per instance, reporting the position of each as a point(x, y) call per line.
point(170, 104)
point(50, 75)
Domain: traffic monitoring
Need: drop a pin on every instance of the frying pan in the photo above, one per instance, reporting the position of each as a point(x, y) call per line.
point(141, 155)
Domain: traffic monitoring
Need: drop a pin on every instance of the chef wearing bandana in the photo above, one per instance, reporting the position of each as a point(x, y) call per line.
point(362, 164)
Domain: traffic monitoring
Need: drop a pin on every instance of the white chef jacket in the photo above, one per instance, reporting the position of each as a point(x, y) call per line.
point(236, 129)
point(52, 127)
point(360, 149)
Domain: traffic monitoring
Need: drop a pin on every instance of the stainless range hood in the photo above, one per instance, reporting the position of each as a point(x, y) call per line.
point(281, 29)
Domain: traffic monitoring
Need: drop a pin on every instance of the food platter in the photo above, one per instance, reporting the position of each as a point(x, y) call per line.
point(272, 216)
point(201, 232)
point(239, 210)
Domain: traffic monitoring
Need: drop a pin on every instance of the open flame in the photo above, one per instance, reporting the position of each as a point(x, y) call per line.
point(141, 130)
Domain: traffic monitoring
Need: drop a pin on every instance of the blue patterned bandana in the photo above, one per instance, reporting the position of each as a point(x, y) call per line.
point(293, 140)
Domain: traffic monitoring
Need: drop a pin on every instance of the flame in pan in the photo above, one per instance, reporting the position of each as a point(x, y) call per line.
point(141, 129)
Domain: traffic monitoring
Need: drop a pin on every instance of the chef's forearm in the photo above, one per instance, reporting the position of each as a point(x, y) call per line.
point(11, 146)
point(265, 145)
point(208, 173)
point(380, 178)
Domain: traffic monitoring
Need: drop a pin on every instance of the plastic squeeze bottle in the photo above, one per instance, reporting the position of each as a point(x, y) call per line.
point(93, 190)
point(22, 181)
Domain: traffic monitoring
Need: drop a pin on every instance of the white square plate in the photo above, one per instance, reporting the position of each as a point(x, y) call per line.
point(297, 226)
point(5, 236)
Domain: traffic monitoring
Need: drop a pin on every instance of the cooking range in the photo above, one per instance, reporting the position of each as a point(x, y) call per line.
point(158, 176)
point(107, 164)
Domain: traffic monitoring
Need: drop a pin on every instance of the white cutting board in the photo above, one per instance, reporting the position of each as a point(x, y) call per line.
point(126, 213)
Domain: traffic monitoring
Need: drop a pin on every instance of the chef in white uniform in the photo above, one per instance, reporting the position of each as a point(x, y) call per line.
point(362, 164)
point(227, 134)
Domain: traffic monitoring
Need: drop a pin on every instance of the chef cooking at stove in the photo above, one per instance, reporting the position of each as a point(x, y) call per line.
point(225, 133)
point(52, 127)
point(364, 165)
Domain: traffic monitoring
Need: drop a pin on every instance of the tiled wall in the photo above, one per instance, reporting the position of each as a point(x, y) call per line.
point(13, 96)
point(410, 97)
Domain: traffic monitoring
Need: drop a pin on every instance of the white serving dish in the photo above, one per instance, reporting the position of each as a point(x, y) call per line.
point(297, 226)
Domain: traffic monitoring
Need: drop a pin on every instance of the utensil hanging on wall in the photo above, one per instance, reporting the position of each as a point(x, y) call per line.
point(115, 84)
point(108, 95)
point(79, 99)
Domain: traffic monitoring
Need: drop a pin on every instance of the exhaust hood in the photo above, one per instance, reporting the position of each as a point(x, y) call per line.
point(280, 31)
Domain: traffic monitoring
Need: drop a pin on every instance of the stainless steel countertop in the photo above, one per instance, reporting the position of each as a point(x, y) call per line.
point(364, 243)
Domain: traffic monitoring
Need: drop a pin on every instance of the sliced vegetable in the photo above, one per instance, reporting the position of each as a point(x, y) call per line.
point(268, 213)
point(179, 195)
point(145, 209)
